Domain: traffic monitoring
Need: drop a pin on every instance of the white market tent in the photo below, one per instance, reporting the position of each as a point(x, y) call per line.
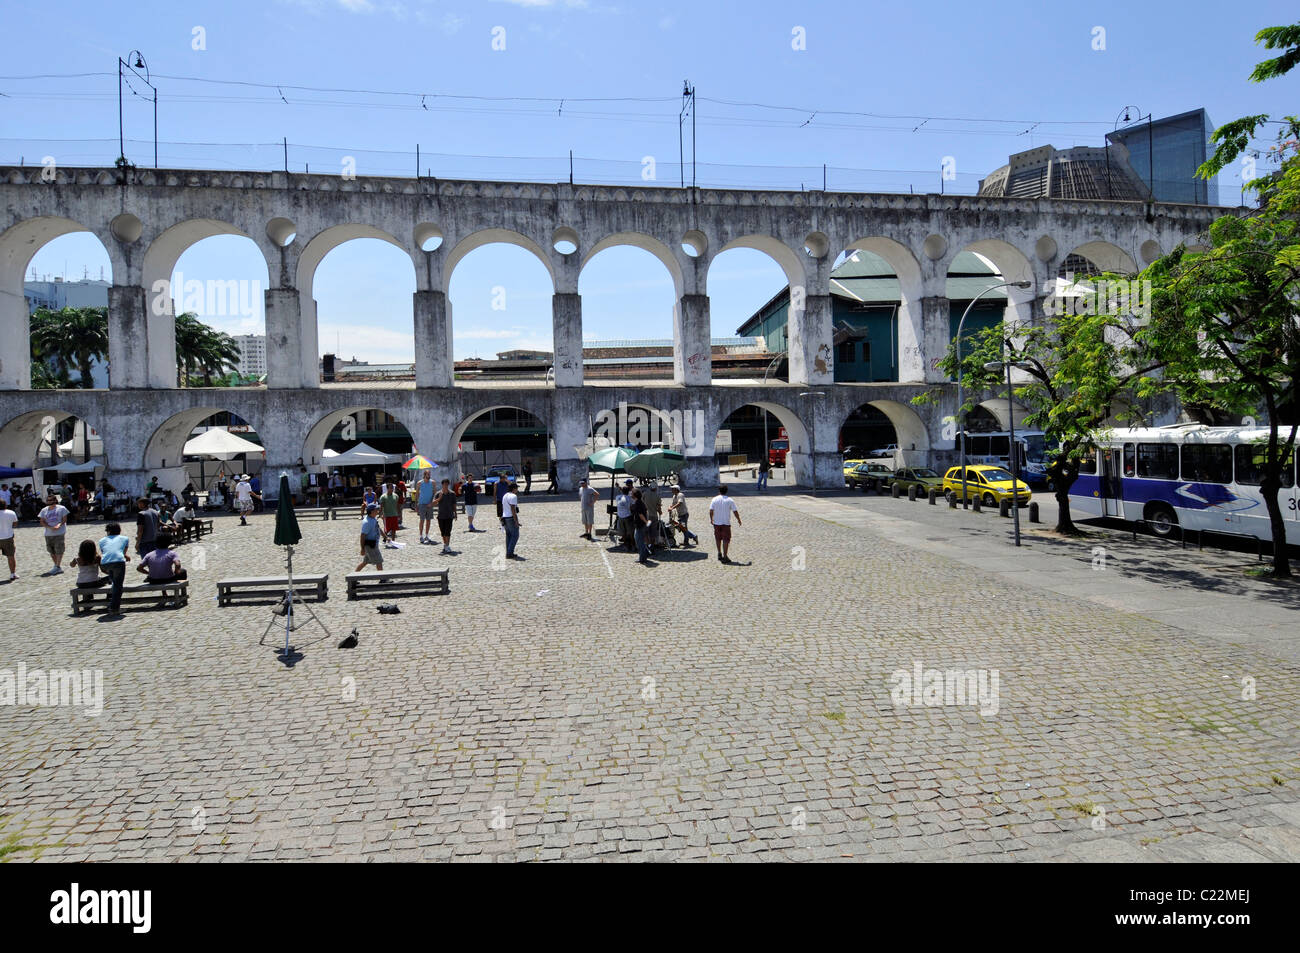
point(219, 444)
point(361, 455)
point(67, 466)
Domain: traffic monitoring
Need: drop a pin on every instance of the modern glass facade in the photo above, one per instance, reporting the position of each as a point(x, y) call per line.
point(1166, 153)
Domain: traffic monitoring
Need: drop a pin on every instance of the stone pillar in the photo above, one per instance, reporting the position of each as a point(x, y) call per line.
point(809, 341)
point(700, 473)
point(15, 349)
point(128, 339)
point(283, 340)
point(433, 365)
point(568, 473)
point(566, 326)
point(692, 341)
point(936, 318)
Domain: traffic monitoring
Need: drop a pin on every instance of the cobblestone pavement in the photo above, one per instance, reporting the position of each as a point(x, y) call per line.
point(575, 705)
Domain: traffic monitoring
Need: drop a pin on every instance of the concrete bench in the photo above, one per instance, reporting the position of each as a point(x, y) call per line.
point(384, 582)
point(314, 512)
point(271, 588)
point(160, 594)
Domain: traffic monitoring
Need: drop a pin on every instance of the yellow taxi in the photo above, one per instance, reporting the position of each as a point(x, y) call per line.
point(990, 484)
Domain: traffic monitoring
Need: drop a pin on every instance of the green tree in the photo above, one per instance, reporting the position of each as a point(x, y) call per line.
point(1229, 321)
point(71, 338)
point(1086, 368)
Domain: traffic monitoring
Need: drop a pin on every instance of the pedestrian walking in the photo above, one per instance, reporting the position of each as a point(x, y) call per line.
point(243, 499)
point(764, 468)
point(54, 517)
point(470, 491)
point(7, 520)
point(721, 509)
point(640, 526)
point(371, 534)
point(113, 558)
point(424, 491)
point(679, 514)
point(587, 497)
point(146, 527)
point(390, 506)
point(510, 519)
point(552, 474)
point(446, 501)
point(528, 477)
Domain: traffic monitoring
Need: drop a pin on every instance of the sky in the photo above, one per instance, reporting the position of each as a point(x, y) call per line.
point(881, 94)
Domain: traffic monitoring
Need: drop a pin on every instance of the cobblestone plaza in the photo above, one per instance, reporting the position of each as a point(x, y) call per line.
point(575, 705)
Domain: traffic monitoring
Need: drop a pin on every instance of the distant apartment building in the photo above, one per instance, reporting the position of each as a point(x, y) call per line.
point(1166, 153)
point(252, 354)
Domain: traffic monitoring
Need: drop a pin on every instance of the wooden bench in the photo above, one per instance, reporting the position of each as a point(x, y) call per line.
point(429, 581)
point(271, 588)
point(191, 530)
point(160, 594)
point(324, 512)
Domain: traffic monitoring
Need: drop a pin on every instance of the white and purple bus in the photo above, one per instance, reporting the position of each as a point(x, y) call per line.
point(1191, 476)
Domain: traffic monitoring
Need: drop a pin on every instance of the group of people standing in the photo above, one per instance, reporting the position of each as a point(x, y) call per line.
point(638, 516)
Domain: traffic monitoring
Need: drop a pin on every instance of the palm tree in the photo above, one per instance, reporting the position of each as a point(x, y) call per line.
point(70, 338)
point(202, 350)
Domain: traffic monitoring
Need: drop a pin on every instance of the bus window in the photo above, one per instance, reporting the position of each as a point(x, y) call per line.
point(1157, 461)
point(979, 447)
point(1088, 462)
point(1250, 456)
point(1128, 460)
point(1207, 463)
point(999, 446)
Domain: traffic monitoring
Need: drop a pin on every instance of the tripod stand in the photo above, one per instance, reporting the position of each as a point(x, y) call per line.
point(285, 608)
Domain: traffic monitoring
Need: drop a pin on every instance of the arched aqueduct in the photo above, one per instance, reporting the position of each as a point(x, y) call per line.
point(147, 218)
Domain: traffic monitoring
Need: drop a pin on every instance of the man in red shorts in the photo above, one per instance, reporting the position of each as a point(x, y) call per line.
point(721, 509)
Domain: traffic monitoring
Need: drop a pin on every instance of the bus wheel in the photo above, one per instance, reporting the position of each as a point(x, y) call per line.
point(1161, 519)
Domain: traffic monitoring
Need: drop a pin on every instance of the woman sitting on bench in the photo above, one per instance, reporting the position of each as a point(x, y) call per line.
point(162, 564)
point(87, 564)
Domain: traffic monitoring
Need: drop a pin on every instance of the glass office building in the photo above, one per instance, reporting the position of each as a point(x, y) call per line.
point(1165, 154)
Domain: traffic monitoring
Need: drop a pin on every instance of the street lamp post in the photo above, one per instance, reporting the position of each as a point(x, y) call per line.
point(134, 67)
point(961, 430)
point(812, 450)
point(1151, 165)
point(997, 366)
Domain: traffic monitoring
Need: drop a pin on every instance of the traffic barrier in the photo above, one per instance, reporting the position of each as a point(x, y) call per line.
point(911, 493)
point(952, 499)
point(934, 496)
point(1033, 512)
point(893, 491)
point(1004, 508)
point(975, 504)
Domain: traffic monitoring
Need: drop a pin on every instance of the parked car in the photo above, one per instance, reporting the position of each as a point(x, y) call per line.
point(923, 478)
point(888, 451)
point(857, 475)
point(991, 484)
point(499, 472)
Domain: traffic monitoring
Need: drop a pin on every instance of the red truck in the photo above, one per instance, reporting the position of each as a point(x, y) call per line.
point(777, 450)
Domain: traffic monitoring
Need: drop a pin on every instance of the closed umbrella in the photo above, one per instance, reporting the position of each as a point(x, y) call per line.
point(288, 535)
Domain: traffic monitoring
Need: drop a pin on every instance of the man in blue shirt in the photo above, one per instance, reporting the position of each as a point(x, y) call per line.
point(424, 504)
point(112, 560)
point(371, 534)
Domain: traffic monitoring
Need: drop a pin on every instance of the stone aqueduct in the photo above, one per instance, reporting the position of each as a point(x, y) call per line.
point(147, 218)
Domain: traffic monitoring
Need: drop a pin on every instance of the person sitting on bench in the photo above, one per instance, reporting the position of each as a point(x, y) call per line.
point(185, 516)
point(162, 564)
point(86, 563)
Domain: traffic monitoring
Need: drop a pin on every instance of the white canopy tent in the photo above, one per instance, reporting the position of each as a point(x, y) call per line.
point(219, 444)
point(67, 466)
point(362, 455)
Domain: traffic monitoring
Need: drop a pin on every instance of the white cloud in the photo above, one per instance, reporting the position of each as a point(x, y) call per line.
point(667, 23)
point(544, 4)
point(488, 333)
point(451, 23)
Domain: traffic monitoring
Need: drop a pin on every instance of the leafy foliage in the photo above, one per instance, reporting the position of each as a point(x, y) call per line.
point(66, 340)
point(202, 351)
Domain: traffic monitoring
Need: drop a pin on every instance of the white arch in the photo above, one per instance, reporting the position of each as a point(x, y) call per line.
point(910, 431)
point(646, 243)
point(799, 435)
point(18, 245)
point(911, 333)
point(21, 436)
point(493, 236)
point(998, 407)
point(164, 451)
point(313, 445)
point(459, 430)
point(774, 248)
point(1107, 256)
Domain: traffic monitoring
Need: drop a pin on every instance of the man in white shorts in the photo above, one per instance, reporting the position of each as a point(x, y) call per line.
point(244, 498)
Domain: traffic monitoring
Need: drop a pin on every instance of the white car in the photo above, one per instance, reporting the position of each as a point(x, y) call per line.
point(888, 451)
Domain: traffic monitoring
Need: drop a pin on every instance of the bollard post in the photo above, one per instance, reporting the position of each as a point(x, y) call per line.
point(893, 490)
point(952, 500)
point(1004, 508)
point(934, 496)
point(975, 503)
point(911, 493)
point(1033, 512)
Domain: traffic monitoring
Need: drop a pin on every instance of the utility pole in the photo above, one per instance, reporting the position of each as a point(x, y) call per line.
point(688, 105)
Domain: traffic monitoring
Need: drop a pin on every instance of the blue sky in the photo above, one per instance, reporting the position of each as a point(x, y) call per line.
point(976, 82)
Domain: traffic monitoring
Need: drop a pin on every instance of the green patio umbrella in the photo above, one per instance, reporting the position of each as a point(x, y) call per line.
point(611, 460)
point(287, 534)
point(655, 463)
